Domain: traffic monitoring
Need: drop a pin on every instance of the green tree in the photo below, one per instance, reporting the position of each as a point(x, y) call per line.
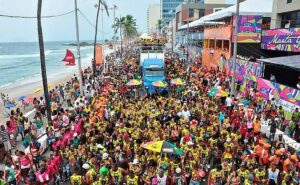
point(42, 60)
point(130, 27)
point(127, 26)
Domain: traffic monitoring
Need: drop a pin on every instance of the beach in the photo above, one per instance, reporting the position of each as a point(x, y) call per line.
point(59, 75)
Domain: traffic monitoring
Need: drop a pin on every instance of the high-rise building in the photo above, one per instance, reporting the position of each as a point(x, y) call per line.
point(153, 17)
point(168, 8)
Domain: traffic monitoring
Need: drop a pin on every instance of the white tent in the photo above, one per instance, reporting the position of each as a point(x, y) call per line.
point(200, 22)
point(249, 7)
point(144, 35)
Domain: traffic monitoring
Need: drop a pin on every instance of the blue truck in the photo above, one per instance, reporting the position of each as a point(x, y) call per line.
point(152, 71)
point(152, 65)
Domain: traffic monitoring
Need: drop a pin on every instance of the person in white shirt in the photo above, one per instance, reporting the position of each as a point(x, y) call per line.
point(161, 177)
point(186, 113)
point(228, 102)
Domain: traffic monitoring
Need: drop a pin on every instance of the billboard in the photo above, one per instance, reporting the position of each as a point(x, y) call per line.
point(245, 70)
point(281, 39)
point(249, 30)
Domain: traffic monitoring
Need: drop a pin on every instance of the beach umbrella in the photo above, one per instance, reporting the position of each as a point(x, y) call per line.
point(162, 146)
point(22, 98)
point(134, 82)
point(28, 100)
point(177, 81)
point(9, 105)
point(159, 84)
point(217, 92)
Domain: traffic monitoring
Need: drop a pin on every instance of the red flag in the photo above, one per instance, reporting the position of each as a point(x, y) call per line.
point(69, 58)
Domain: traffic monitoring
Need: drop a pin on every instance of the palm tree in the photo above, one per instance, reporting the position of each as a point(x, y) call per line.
point(130, 27)
point(127, 27)
point(103, 3)
point(42, 60)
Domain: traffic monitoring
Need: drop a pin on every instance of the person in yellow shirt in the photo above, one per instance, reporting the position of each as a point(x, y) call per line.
point(132, 179)
point(116, 174)
point(76, 179)
point(215, 175)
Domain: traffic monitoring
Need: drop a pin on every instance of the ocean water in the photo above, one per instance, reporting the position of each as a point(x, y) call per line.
point(20, 62)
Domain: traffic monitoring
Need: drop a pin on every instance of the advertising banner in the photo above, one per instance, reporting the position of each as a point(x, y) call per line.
point(245, 70)
point(281, 39)
point(249, 30)
point(286, 96)
point(99, 55)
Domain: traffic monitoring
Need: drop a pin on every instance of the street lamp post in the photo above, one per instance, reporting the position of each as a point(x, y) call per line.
point(187, 34)
point(172, 36)
point(78, 48)
point(232, 88)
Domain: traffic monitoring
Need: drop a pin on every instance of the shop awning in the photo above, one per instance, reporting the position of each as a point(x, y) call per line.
point(289, 61)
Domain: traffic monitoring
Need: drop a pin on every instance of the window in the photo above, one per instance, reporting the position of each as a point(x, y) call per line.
point(191, 12)
point(290, 20)
point(154, 72)
point(289, 1)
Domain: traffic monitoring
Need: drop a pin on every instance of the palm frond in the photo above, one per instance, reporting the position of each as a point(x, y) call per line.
point(103, 2)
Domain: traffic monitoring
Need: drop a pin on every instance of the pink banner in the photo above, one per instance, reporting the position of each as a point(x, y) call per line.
point(269, 90)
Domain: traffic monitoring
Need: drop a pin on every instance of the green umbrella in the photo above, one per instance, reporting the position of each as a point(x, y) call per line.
point(217, 92)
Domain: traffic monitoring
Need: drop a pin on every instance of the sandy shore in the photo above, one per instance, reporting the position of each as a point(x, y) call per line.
point(27, 88)
point(18, 90)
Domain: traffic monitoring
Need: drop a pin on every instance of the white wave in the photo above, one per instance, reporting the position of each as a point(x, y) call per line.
point(6, 85)
point(35, 55)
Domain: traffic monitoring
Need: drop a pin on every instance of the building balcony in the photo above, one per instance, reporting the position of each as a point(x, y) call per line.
point(220, 32)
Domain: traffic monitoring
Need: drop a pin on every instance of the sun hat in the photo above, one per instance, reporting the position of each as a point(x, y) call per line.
point(86, 166)
point(100, 146)
point(160, 170)
point(135, 161)
point(178, 170)
point(190, 143)
point(105, 156)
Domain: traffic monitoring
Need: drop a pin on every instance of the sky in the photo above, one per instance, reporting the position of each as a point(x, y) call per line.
point(63, 28)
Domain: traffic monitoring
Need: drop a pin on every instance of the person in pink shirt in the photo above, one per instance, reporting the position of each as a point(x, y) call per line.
point(43, 176)
point(12, 130)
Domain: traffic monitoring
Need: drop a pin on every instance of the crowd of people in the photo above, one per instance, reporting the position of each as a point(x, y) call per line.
point(99, 137)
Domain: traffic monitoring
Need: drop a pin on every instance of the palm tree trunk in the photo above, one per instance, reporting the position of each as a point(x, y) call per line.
point(42, 60)
point(95, 39)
